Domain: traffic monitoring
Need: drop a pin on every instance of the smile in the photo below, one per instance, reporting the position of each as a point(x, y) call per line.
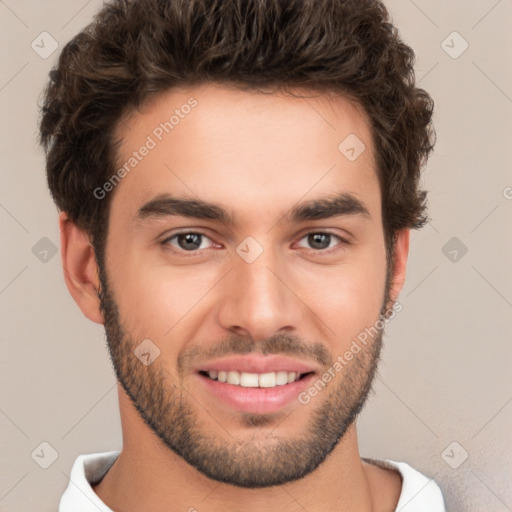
point(254, 380)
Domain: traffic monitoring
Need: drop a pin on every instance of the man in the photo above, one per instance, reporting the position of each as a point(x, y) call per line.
point(236, 182)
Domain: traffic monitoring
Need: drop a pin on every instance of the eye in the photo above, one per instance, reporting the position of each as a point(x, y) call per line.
point(192, 241)
point(188, 241)
point(320, 241)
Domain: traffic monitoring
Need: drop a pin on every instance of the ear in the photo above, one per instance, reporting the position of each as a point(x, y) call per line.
point(80, 268)
point(400, 255)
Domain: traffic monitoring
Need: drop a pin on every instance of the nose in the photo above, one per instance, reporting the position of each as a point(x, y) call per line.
point(258, 299)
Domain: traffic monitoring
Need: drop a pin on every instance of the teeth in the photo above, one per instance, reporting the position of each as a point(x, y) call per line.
point(234, 378)
point(281, 378)
point(249, 380)
point(267, 380)
point(255, 380)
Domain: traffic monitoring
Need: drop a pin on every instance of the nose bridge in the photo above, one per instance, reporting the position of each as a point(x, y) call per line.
point(256, 299)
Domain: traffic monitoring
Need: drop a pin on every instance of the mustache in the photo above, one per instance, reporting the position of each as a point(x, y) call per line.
point(280, 344)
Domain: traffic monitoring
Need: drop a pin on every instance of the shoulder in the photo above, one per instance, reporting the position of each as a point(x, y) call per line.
point(87, 471)
point(418, 493)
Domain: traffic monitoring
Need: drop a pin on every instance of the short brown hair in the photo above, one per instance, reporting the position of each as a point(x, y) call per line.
point(134, 49)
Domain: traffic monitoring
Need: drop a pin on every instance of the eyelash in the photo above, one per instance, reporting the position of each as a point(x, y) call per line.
point(198, 252)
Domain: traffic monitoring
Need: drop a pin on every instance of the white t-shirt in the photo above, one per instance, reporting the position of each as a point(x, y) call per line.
point(419, 493)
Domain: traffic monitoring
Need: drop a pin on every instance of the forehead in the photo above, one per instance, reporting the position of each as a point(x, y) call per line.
point(245, 149)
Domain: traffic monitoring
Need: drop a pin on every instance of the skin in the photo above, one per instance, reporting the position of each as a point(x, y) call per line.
point(256, 155)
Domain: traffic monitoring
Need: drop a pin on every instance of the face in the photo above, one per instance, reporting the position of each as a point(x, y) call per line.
point(245, 254)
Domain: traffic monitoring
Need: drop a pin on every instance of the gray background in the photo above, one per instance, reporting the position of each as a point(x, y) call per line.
point(445, 376)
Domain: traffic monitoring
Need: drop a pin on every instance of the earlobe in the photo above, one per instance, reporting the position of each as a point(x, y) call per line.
point(400, 255)
point(80, 268)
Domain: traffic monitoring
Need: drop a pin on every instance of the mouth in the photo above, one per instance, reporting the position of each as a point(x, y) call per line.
point(255, 384)
point(256, 393)
point(255, 380)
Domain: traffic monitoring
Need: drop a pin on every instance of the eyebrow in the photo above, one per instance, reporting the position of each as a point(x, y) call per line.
point(165, 205)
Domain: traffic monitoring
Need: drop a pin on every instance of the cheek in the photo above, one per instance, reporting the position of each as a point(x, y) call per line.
point(347, 298)
point(157, 300)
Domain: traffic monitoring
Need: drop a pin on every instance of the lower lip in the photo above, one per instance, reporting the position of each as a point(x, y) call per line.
point(256, 400)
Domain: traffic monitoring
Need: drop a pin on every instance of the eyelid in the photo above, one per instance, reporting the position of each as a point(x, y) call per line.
point(344, 235)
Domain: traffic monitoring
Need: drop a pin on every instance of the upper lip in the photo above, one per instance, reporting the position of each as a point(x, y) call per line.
point(258, 364)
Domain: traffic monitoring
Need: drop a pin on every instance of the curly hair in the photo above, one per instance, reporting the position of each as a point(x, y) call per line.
point(135, 49)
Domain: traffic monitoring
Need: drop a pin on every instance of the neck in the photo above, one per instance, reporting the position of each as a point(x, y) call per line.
point(149, 476)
